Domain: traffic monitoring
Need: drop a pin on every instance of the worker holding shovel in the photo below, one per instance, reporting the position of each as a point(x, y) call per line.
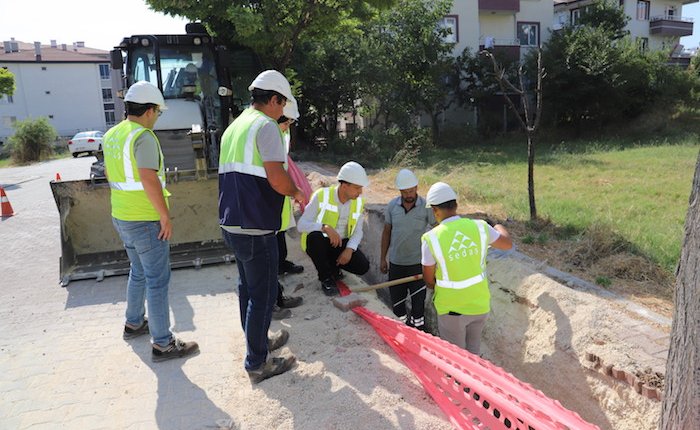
point(406, 218)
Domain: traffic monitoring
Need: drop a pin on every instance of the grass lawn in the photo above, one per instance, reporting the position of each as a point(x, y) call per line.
point(638, 191)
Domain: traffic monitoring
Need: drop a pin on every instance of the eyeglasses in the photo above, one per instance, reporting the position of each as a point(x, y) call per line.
point(158, 111)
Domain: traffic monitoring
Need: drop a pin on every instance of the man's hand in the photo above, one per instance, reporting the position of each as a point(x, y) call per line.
point(333, 236)
point(166, 229)
point(344, 257)
point(299, 197)
point(384, 267)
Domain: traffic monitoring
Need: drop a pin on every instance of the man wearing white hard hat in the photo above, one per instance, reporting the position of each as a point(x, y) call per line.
point(331, 228)
point(254, 204)
point(406, 218)
point(136, 174)
point(454, 264)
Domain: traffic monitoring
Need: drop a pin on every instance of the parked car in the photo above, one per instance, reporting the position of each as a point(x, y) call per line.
point(86, 142)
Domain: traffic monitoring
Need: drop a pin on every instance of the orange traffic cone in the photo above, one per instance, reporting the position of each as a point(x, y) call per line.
point(5, 206)
point(58, 177)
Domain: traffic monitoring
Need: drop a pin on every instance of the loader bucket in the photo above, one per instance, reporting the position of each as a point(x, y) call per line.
point(91, 248)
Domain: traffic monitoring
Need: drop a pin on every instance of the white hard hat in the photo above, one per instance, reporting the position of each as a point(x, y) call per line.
point(272, 80)
point(439, 193)
point(405, 179)
point(144, 92)
point(291, 110)
point(354, 173)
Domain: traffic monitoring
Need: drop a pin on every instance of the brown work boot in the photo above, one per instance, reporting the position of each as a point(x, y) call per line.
point(277, 340)
point(272, 367)
point(175, 349)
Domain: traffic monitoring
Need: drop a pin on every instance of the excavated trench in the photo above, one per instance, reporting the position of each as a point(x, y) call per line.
point(575, 342)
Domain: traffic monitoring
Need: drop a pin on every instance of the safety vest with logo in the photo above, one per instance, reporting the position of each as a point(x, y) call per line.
point(459, 248)
point(129, 200)
point(246, 198)
point(329, 214)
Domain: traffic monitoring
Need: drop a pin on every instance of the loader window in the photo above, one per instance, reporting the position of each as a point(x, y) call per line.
point(144, 66)
point(188, 71)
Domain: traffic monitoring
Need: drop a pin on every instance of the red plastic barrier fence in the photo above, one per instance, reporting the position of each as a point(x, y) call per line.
point(471, 391)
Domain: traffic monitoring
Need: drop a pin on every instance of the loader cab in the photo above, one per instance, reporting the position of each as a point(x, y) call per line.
point(195, 75)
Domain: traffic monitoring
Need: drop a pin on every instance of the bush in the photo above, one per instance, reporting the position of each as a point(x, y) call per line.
point(32, 140)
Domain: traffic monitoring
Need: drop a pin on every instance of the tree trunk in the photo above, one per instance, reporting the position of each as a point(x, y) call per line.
point(531, 176)
point(681, 402)
point(435, 128)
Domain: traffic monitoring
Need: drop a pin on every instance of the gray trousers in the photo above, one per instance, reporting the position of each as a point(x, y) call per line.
point(463, 330)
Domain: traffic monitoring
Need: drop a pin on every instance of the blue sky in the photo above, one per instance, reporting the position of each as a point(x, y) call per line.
point(102, 24)
point(692, 11)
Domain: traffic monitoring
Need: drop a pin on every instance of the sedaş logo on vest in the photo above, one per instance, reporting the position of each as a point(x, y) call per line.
point(461, 247)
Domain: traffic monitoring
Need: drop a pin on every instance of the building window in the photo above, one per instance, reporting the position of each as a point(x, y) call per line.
point(109, 118)
point(671, 13)
point(109, 106)
point(622, 4)
point(7, 99)
point(106, 94)
point(50, 116)
point(104, 71)
point(47, 92)
point(642, 10)
point(43, 68)
point(529, 33)
point(451, 23)
point(643, 43)
point(575, 16)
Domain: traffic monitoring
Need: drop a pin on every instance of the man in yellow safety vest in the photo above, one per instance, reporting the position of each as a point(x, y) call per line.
point(453, 255)
point(254, 204)
point(331, 228)
point(135, 171)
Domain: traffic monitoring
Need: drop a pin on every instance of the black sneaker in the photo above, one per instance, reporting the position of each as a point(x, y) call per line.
point(272, 367)
point(130, 333)
point(175, 349)
point(329, 287)
point(289, 267)
point(277, 340)
point(289, 302)
point(279, 313)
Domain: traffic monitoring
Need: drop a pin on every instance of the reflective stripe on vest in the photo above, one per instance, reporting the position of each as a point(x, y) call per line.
point(131, 184)
point(247, 166)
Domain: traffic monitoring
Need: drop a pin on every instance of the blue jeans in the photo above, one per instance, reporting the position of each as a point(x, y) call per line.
point(257, 261)
point(148, 278)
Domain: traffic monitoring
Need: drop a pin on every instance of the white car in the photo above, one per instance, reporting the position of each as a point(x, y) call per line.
point(86, 142)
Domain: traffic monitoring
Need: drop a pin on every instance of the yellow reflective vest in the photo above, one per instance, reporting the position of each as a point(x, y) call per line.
point(329, 214)
point(246, 198)
point(129, 200)
point(459, 248)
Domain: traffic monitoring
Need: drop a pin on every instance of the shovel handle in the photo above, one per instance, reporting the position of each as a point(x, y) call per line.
point(388, 283)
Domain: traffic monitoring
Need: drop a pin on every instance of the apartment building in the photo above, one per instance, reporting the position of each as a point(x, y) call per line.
point(508, 26)
point(71, 85)
point(653, 24)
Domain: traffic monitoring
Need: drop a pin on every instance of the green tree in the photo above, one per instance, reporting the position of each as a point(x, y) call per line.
point(7, 82)
point(413, 65)
point(272, 28)
point(32, 140)
point(607, 16)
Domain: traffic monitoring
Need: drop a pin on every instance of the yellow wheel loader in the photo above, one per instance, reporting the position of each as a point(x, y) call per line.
point(205, 87)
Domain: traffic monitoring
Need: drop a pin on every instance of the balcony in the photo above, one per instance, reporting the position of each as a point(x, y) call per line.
point(671, 26)
point(505, 50)
point(507, 6)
